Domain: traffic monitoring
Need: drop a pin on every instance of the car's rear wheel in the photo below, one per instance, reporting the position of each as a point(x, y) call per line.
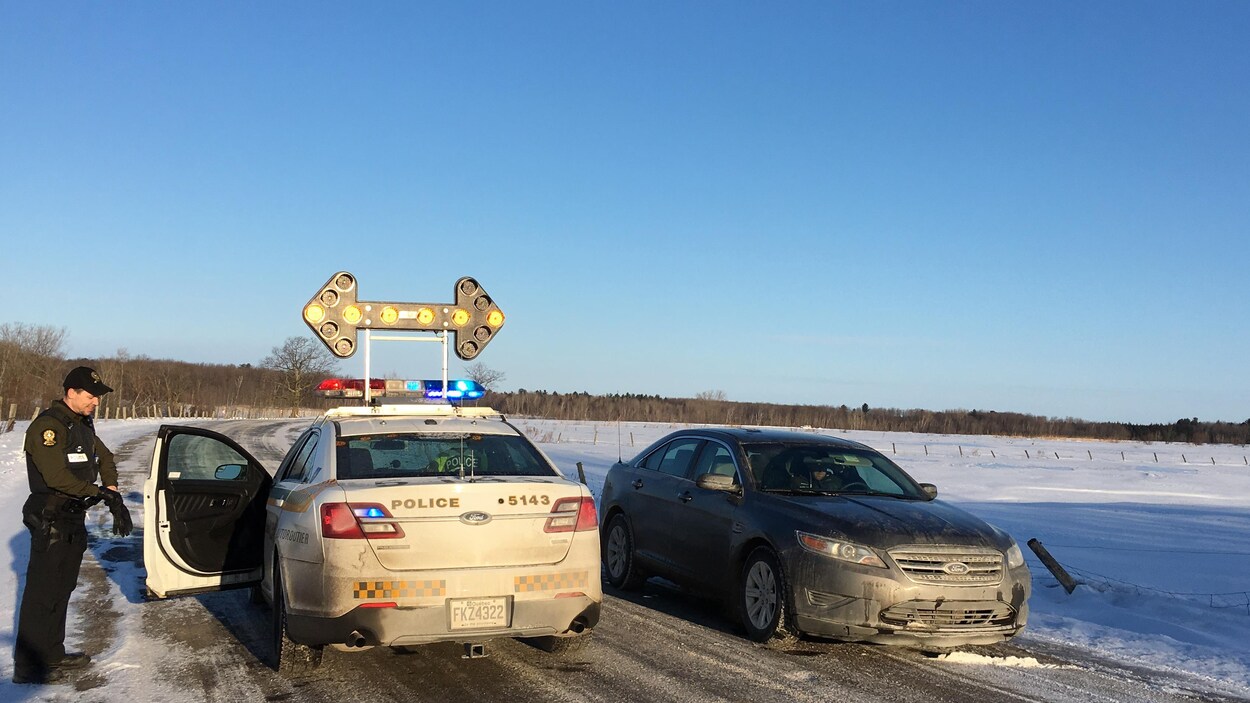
point(289, 657)
point(763, 599)
point(618, 555)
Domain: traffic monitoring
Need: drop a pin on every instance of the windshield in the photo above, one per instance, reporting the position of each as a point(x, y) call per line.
point(404, 455)
point(824, 469)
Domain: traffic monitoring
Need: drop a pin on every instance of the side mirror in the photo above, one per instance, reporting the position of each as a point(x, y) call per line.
point(929, 490)
point(716, 482)
point(229, 472)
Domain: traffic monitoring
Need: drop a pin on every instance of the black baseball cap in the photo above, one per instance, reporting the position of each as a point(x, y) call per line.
point(86, 379)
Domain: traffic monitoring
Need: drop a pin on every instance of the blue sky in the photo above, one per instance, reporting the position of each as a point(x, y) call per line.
point(1028, 207)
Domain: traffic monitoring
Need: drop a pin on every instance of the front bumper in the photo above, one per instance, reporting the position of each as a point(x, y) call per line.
point(882, 605)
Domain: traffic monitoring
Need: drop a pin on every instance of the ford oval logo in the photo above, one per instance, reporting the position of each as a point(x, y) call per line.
point(475, 518)
point(956, 568)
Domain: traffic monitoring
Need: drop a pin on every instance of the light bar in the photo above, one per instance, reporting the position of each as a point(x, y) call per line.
point(458, 389)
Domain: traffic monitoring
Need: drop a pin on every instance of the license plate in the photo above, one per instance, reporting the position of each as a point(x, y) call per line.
point(477, 613)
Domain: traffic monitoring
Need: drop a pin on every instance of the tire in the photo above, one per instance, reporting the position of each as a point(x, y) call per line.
point(618, 556)
point(764, 600)
point(560, 645)
point(288, 657)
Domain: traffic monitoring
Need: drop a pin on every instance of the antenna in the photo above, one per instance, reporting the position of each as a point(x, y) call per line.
point(619, 459)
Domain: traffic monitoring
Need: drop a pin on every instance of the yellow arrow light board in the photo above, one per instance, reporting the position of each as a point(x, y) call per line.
point(336, 313)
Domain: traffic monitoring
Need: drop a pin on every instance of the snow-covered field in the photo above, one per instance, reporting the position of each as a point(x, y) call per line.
point(1156, 533)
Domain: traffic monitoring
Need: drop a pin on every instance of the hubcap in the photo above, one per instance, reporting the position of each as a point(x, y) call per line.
point(761, 595)
point(617, 548)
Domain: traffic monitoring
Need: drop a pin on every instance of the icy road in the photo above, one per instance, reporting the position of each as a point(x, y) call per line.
point(662, 643)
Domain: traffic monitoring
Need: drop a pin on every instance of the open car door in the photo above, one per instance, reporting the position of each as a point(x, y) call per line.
point(203, 513)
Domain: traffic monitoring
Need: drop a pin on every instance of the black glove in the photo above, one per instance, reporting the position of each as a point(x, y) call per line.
point(122, 524)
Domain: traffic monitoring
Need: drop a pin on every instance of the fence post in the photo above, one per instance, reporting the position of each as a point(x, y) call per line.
point(1060, 574)
point(1091, 454)
point(1026, 454)
point(581, 473)
point(961, 450)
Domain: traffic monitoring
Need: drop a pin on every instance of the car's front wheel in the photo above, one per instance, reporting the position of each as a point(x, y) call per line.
point(289, 657)
point(618, 555)
point(763, 599)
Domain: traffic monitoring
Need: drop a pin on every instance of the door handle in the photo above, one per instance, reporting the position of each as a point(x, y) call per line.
point(637, 483)
point(685, 497)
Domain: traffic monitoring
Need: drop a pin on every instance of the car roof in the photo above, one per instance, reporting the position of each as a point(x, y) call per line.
point(764, 435)
point(432, 418)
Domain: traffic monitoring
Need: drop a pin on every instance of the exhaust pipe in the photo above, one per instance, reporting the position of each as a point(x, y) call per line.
point(357, 639)
point(578, 626)
point(474, 650)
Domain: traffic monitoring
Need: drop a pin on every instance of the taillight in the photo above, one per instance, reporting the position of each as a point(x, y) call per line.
point(572, 515)
point(358, 521)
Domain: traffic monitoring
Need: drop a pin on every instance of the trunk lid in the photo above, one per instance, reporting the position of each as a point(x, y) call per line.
point(453, 523)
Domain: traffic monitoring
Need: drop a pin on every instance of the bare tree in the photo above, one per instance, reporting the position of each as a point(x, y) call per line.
point(31, 357)
point(485, 376)
point(301, 362)
point(710, 395)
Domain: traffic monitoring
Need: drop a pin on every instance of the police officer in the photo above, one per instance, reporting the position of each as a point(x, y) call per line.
point(64, 458)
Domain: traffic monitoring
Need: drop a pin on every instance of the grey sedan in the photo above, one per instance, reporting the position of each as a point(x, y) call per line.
point(811, 534)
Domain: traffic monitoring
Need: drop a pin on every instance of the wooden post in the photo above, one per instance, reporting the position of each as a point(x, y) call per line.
point(1091, 454)
point(1026, 454)
point(581, 473)
point(961, 451)
point(926, 450)
point(993, 455)
point(1061, 575)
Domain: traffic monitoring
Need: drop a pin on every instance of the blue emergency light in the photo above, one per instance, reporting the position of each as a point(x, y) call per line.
point(461, 389)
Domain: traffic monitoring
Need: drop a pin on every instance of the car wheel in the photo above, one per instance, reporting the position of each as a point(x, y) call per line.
point(763, 599)
point(288, 657)
point(618, 555)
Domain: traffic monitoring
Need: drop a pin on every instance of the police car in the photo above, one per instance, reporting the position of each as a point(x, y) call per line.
point(387, 525)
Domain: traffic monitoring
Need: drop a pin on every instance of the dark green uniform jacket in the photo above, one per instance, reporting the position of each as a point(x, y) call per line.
point(63, 455)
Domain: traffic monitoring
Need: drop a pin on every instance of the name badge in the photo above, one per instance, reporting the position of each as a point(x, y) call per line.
point(77, 457)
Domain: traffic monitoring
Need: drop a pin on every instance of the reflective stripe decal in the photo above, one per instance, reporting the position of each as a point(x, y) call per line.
point(298, 501)
point(547, 582)
point(399, 589)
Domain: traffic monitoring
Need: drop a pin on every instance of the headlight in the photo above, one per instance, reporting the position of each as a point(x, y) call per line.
point(1015, 557)
point(846, 551)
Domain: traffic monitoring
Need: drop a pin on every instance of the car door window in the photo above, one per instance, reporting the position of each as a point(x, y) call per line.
point(300, 465)
point(678, 457)
point(197, 458)
point(715, 459)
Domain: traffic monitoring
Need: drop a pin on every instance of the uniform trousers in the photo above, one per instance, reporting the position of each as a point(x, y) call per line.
point(58, 539)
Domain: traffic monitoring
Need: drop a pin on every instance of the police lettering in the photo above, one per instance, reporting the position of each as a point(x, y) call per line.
point(426, 503)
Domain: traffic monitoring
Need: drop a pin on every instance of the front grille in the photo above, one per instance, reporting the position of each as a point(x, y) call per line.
point(950, 615)
point(950, 565)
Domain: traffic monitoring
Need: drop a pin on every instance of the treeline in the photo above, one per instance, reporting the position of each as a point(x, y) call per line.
point(653, 408)
point(32, 366)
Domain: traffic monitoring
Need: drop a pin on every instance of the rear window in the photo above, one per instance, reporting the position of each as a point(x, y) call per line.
point(403, 455)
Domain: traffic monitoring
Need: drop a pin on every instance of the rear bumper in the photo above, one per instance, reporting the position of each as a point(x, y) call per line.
point(426, 624)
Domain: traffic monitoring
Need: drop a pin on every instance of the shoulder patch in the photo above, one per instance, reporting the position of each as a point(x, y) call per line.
point(49, 438)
